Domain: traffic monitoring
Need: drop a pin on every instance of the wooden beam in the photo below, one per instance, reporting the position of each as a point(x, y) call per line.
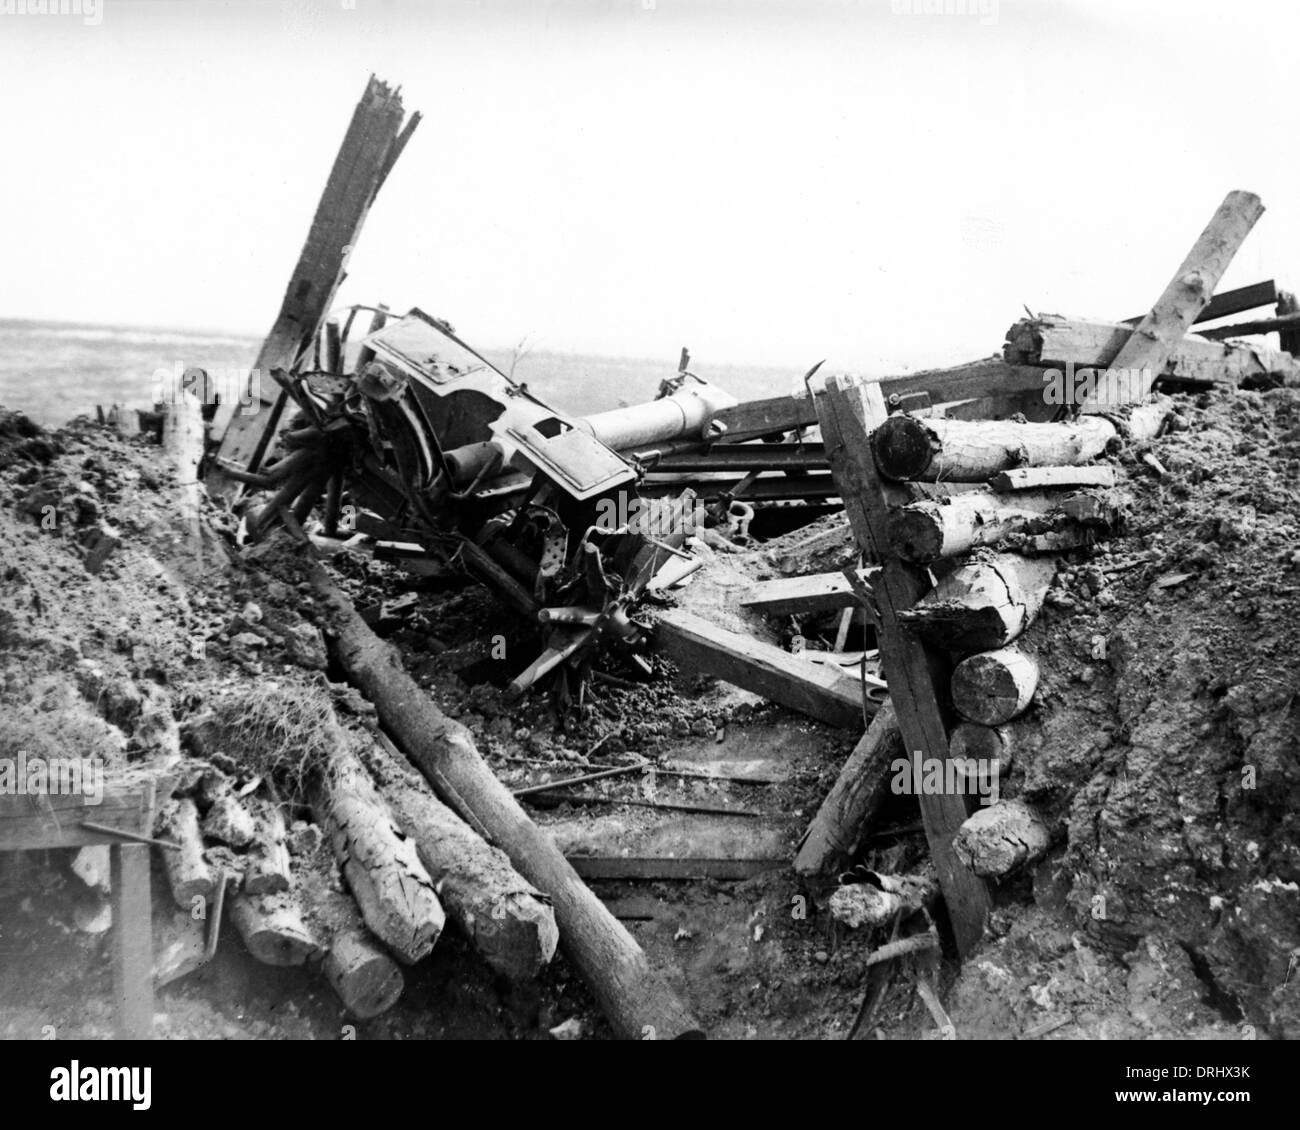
point(1277, 324)
point(977, 380)
point(673, 846)
point(132, 941)
point(858, 793)
point(373, 140)
point(1056, 342)
point(1231, 302)
point(1185, 297)
point(820, 691)
point(848, 412)
point(803, 596)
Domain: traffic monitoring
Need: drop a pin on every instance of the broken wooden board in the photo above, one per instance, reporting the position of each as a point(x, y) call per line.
point(803, 596)
point(815, 689)
point(849, 411)
point(374, 139)
point(54, 819)
point(682, 846)
point(1053, 341)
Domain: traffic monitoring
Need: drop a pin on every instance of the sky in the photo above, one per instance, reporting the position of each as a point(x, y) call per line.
point(768, 183)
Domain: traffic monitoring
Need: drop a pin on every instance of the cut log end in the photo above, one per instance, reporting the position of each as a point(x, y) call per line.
point(1000, 838)
point(903, 447)
point(366, 979)
point(273, 929)
point(995, 686)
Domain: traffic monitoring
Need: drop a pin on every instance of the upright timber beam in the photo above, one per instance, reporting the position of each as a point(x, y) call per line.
point(848, 411)
point(1185, 298)
point(372, 144)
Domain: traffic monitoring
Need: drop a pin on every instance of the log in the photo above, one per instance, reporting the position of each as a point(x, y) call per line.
point(365, 978)
point(826, 693)
point(188, 872)
point(988, 745)
point(637, 1000)
point(266, 867)
point(857, 795)
point(995, 686)
point(273, 928)
point(1052, 478)
point(996, 840)
point(183, 442)
point(1157, 336)
point(878, 898)
point(1279, 323)
point(972, 451)
point(984, 604)
point(926, 531)
point(381, 865)
point(509, 921)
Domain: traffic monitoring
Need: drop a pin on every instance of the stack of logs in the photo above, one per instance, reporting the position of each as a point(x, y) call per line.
point(1016, 495)
point(403, 864)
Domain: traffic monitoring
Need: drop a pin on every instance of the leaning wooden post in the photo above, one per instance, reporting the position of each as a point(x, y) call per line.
point(1150, 345)
point(847, 412)
point(371, 145)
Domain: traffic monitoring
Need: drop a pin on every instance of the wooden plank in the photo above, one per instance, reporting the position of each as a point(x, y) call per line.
point(1278, 324)
point(374, 138)
point(53, 820)
point(977, 380)
point(680, 846)
point(1231, 302)
point(821, 692)
point(803, 596)
point(1057, 342)
point(1157, 336)
point(1047, 478)
point(132, 941)
point(849, 411)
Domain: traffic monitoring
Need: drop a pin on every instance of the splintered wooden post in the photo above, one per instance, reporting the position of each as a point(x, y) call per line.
point(1150, 345)
point(858, 793)
point(847, 412)
point(132, 941)
point(371, 145)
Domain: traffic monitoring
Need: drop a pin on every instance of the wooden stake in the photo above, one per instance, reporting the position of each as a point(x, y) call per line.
point(846, 412)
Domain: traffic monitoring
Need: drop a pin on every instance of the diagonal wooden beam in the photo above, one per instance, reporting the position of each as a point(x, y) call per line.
point(1148, 348)
point(849, 411)
point(374, 139)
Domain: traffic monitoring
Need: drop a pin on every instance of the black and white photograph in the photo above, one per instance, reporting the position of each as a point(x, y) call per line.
point(649, 520)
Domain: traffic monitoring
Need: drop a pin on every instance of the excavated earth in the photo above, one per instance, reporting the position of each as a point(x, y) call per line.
point(1161, 747)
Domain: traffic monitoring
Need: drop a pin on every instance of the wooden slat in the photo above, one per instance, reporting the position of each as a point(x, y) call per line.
point(1231, 302)
point(54, 820)
point(822, 692)
point(848, 413)
point(132, 941)
point(802, 596)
